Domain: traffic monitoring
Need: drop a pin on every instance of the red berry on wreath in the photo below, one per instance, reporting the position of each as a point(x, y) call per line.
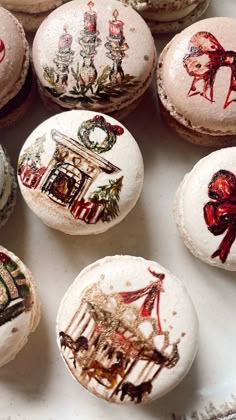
point(118, 130)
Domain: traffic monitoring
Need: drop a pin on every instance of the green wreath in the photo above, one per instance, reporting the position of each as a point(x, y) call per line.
point(111, 131)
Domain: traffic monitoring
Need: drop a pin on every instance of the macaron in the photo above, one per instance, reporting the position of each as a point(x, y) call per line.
point(16, 79)
point(19, 305)
point(7, 188)
point(81, 172)
point(196, 83)
point(96, 55)
point(127, 330)
point(205, 209)
point(31, 13)
point(163, 16)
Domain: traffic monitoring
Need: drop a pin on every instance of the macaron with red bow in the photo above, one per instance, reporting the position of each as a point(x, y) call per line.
point(163, 16)
point(16, 79)
point(205, 209)
point(127, 330)
point(94, 55)
point(31, 13)
point(197, 83)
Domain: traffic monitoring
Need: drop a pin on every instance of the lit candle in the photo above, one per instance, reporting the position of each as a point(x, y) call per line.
point(90, 19)
point(65, 40)
point(116, 26)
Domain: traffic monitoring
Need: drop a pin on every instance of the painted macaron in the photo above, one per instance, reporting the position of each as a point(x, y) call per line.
point(81, 172)
point(7, 188)
point(94, 55)
point(16, 79)
point(196, 83)
point(163, 16)
point(19, 305)
point(205, 209)
point(127, 330)
point(31, 13)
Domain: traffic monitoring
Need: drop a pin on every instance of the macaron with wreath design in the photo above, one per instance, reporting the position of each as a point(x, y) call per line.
point(74, 172)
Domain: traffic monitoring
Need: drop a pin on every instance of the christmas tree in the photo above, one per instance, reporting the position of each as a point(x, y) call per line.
point(109, 195)
point(33, 152)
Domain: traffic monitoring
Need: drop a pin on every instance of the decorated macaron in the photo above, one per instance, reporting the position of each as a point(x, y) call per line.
point(196, 83)
point(164, 16)
point(94, 55)
point(127, 330)
point(7, 188)
point(81, 172)
point(31, 13)
point(15, 70)
point(205, 209)
point(19, 305)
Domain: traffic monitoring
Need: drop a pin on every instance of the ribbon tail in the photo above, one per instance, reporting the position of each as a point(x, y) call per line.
point(232, 88)
point(203, 86)
point(158, 312)
point(224, 249)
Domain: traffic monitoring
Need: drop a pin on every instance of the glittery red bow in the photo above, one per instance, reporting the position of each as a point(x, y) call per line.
point(2, 50)
point(220, 214)
point(152, 293)
point(205, 58)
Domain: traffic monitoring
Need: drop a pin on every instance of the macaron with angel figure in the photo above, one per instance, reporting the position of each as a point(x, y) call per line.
point(127, 330)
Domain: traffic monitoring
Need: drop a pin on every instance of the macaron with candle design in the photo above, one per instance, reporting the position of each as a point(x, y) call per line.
point(7, 188)
point(205, 209)
point(19, 305)
point(94, 55)
point(196, 83)
point(164, 16)
point(16, 79)
point(74, 172)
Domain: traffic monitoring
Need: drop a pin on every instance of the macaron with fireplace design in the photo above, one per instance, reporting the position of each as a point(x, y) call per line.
point(94, 55)
point(81, 172)
point(31, 13)
point(205, 209)
point(163, 16)
point(197, 84)
point(127, 330)
point(16, 80)
point(7, 188)
point(19, 305)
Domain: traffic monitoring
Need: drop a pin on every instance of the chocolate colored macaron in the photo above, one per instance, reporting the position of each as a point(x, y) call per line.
point(127, 330)
point(19, 305)
point(81, 172)
point(7, 188)
point(94, 55)
point(205, 209)
point(16, 79)
point(163, 16)
point(197, 83)
point(31, 13)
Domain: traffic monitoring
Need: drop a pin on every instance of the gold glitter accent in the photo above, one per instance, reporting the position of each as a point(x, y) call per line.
point(9, 282)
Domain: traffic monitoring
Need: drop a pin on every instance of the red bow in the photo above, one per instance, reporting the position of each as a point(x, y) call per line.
point(2, 51)
point(220, 214)
point(153, 292)
point(202, 63)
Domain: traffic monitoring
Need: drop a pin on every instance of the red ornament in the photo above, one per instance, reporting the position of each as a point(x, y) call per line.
point(4, 258)
point(2, 50)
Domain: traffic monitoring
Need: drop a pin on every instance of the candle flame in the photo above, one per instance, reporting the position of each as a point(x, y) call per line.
point(90, 4)
point(65, 29)
point(115, 14)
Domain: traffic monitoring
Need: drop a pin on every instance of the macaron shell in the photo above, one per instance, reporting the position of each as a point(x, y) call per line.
point(102, 91)
point(14, 57)
point(16, 320)
point(31, 6)
point(8, 188)
point(185, 92)
point(72, 181)
point(193, 201)
point(115, 287)
point(141, 5)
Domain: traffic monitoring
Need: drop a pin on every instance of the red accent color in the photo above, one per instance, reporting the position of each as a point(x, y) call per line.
point(152, 293)
point(2, 50)
point(204, 59)
point(4, 258)
point(220, 214)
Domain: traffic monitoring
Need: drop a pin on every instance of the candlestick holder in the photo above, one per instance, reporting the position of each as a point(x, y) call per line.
point(63, 59)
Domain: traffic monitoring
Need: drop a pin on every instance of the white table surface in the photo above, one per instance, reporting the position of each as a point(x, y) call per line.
point(37, 386)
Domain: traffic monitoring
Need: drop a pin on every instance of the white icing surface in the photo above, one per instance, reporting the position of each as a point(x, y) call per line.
point(177, 315)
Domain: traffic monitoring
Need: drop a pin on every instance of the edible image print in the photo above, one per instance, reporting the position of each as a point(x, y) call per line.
point(15, 296)
point(220, 212)
point(67, 179)
point(81, 81)
point(110, 344)
point(206, 56)
point(2, 50)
